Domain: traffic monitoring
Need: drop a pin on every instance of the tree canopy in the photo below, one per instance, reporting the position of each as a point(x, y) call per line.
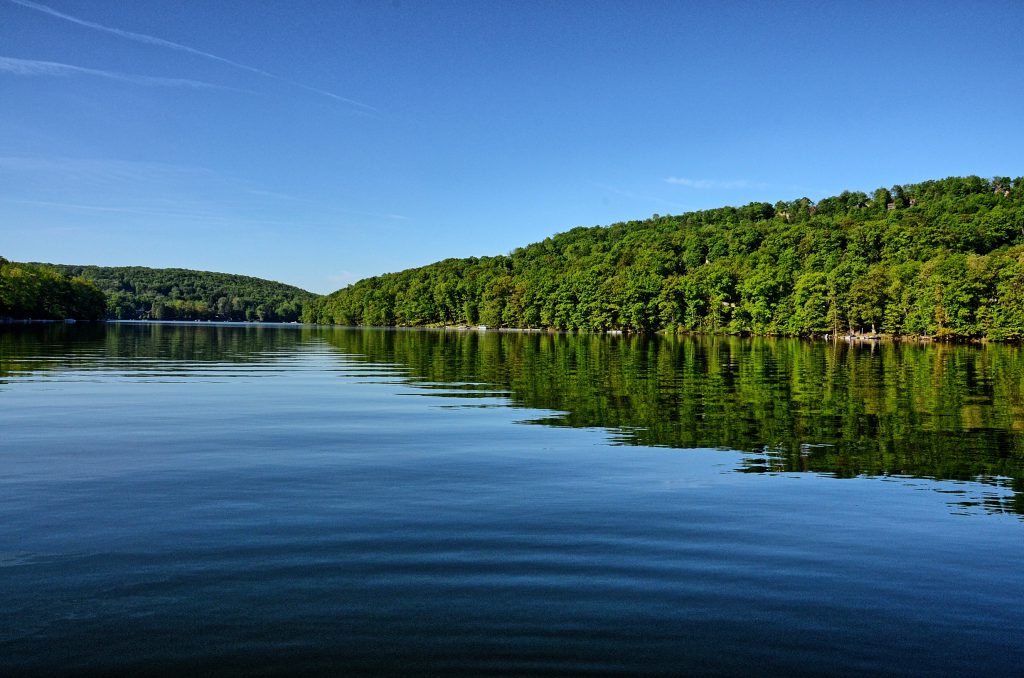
point(136, 292)
point(940, 258)
point(44, 293)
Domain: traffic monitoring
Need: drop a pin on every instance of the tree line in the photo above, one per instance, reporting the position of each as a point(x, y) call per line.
point(137, 292)
point(56, 291)
point(43, 293)
point(940, 258)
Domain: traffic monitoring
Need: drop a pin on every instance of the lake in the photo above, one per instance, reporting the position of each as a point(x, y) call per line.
point(201, 499)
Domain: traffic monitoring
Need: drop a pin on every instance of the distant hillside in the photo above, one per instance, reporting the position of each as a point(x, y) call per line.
point(136, 292)
point(940, 258)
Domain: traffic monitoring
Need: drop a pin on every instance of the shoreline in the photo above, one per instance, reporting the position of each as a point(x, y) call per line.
point(853, 338)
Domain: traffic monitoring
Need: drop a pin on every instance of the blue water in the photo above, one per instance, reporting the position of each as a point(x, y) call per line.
point(274, 502)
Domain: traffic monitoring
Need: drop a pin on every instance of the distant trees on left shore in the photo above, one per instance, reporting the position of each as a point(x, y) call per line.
point(44, 293)
point(139, 293)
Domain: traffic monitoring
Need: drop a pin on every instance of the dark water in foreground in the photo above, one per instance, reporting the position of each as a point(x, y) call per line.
point(216, 500)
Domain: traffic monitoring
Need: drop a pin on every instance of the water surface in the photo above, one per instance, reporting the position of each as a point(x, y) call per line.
point(268, 500)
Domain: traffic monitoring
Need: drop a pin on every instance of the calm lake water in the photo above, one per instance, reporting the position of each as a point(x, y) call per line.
point(266, 500)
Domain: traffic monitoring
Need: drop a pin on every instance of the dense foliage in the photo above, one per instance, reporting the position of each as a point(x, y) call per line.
point(44, 293)
point(941, 258)
point(135, 292)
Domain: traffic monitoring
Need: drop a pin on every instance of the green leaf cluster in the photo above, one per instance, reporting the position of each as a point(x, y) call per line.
point(45, 293)
point(940, 258)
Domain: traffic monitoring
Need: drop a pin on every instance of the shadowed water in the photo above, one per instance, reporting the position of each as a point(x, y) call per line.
point(261, 500)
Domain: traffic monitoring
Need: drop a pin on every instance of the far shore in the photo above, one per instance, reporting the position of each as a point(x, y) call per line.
point(849, 337)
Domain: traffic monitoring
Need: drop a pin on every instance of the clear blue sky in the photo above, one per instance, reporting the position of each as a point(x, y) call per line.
point(316, 143)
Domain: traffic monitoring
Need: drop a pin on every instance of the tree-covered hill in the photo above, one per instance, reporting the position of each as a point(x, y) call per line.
point(134, 292)
point(940, 258)
point(44, 293)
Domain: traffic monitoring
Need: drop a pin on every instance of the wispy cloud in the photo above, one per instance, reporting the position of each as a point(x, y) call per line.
point(130, 188)
point(167, 44)
point(181, 192)
point(375, 215)
point(638, 196)
point(193, 212)
point(28, 67)
point(344, 278)
point(101, 208)
point(714, 184)
point(275, 195)
point(92, 173)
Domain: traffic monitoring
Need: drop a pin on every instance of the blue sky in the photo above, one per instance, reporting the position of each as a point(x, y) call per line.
point(317, 143)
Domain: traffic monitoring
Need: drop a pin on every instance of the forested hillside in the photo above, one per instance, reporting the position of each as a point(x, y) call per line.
point(939, 258)
point(134, 292)
point(44, 293)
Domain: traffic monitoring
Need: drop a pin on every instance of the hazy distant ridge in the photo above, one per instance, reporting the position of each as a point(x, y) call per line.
point(176, 293)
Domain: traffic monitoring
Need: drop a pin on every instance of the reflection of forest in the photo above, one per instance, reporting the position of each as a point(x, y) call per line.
point(25, 348)
point(941, 411)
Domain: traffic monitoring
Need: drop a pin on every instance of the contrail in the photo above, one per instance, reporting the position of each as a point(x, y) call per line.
point(160, 42)
point(52, 68)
